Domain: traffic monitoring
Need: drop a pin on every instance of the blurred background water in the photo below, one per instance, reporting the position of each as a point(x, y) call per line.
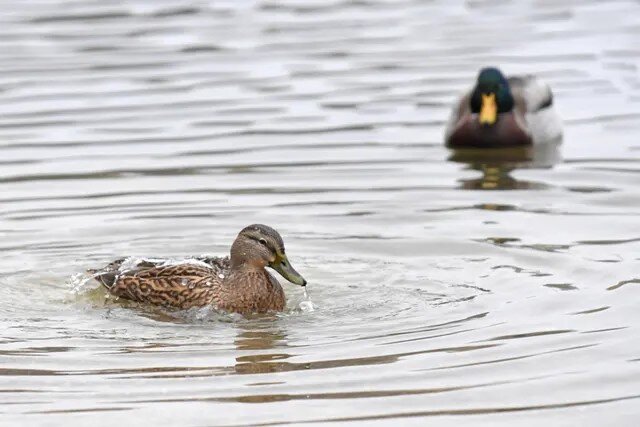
point(448, 288)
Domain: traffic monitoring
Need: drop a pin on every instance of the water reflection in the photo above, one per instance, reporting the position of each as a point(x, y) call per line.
point(496, 166)
point(252, 338)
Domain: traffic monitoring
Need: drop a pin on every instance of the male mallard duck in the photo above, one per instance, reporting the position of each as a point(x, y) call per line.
point(238, 283)
point(501, 112)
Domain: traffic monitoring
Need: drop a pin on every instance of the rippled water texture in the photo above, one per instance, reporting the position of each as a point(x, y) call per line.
point(446, 288)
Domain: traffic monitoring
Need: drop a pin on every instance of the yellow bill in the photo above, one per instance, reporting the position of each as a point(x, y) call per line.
point(489, 109)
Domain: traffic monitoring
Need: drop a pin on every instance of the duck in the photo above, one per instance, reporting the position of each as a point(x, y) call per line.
point(238, 283)
point(503, 112)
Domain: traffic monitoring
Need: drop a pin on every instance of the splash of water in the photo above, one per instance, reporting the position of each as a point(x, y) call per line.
point(306, 305)
point(78, 283)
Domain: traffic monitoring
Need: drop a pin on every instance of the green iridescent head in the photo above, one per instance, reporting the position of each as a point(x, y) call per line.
point(491, 96)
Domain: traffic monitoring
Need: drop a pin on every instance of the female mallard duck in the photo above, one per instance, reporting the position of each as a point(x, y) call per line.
point(238, 283)
point(500, 112)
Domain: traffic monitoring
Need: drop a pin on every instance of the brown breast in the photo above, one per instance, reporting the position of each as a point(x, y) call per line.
point(506, 132)
point(250, 292)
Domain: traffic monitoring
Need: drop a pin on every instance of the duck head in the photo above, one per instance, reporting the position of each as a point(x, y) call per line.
point(491, 96)
point(261, 246)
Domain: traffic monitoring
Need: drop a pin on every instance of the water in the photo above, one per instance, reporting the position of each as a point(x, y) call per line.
point(445, 288)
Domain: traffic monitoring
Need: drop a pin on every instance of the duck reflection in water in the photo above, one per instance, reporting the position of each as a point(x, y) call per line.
point(254, 338)
point(497, 164)
point(266, 347)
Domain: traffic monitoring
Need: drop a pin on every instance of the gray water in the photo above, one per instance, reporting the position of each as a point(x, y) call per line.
point(444, 288)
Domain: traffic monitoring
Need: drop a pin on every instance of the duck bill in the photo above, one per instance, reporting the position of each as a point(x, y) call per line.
point(489, 110)
point(283, 266)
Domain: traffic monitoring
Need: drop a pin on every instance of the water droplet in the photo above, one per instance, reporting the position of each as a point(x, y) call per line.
point(307, 306)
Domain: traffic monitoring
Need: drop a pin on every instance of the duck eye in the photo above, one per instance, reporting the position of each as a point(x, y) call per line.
point(263, 241)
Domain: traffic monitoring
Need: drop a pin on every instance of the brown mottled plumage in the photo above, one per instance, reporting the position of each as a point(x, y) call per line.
point(238, 283)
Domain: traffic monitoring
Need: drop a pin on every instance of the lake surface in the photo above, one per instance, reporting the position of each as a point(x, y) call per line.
point(444, 288)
